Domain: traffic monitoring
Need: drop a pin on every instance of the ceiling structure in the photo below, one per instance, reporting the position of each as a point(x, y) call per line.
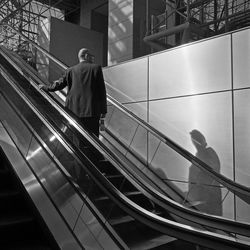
point(23, 16)
point(181, 21)
point(189, 18)
point(68, 5)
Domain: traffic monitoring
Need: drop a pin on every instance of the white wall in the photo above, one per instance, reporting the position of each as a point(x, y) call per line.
point(203, 85)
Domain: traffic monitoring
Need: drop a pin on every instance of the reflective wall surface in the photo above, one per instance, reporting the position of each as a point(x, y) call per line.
point(198, 68)
point(242, 135)
point(128, 81)
point(203, 86)
point(177, 117)
point(241, 59)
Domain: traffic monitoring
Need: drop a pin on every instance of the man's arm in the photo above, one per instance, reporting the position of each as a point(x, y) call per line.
point(59, 84)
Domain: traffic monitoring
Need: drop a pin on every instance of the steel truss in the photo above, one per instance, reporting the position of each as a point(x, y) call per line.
point(25, 16)
point(188, 20)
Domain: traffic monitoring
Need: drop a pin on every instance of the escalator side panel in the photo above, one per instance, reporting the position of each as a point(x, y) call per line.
point(46, 209)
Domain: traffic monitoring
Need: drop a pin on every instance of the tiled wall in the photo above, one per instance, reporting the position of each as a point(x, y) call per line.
point(204, 86)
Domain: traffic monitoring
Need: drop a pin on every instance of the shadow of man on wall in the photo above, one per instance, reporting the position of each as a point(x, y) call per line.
point(204, 193)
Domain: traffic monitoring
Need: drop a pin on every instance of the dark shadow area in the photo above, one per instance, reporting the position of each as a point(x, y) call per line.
point(204, 193)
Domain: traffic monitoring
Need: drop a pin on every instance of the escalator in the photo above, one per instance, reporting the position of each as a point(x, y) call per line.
point(162, 143)
point(57, 68)
point(101, 177)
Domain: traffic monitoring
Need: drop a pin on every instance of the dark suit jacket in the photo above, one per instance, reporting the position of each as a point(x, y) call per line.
point(86, 90)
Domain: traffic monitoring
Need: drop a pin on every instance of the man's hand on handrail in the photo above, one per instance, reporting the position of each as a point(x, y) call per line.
point(43, 87)
point(46, 87)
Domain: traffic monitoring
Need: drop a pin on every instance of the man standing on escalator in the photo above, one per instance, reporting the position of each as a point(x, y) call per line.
point(86, 97)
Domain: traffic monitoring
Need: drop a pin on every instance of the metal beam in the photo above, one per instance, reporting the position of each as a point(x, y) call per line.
point(13, 13)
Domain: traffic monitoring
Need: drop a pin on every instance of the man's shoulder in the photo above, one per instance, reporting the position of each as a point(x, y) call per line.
point(77, 67)
point(87, 65)
point(95, 65)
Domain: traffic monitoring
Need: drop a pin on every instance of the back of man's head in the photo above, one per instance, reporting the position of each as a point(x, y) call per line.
point(83, 53)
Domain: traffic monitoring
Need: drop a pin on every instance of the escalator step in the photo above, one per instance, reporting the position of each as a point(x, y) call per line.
point(121, 183)
point(141, 237)
point(162, 242)
point(107, 168)
point(110, 211)
point(105, 198)
point(114, 176)
point(124, 219)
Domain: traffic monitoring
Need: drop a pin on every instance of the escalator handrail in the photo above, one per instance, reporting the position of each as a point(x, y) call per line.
point(176, 208)
point(164, 225)
point(242, 191)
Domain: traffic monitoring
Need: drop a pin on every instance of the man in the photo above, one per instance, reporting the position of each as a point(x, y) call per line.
point(86, 96)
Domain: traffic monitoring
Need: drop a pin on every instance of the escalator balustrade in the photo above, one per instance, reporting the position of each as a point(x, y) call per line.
point(19, 226)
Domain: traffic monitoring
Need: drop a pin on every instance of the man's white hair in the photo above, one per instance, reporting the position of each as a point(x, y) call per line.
point(82, 52)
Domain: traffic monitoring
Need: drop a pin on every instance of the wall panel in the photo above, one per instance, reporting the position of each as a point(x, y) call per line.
point(210, 114)
point(128, 81)
point(198, 68)
point(66, 39)
point(242, 136)
point(241, 58)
